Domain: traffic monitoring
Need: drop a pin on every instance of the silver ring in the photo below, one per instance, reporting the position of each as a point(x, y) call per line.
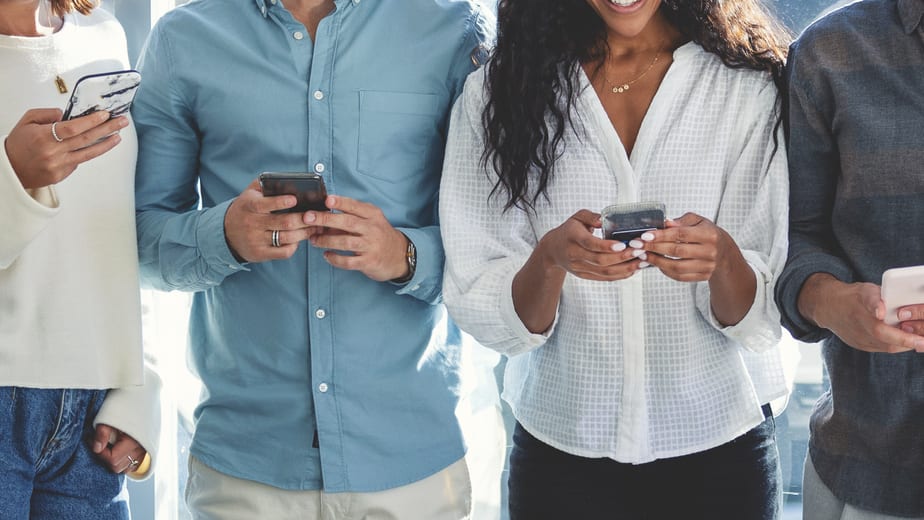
point(54, 133)
point(275, 242)
point(132, 462)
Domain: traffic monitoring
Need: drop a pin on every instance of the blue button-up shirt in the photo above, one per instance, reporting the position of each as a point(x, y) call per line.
point(314, 377)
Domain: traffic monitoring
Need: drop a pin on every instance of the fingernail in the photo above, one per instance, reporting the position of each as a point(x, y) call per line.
point(618, 246)
point(919, 344)
point(639, 253)
point(904, 315)
point(638, 244)
point(647, 237)
point(310, 217)
point(97, 447)
point(908, 329)
point(642, 265)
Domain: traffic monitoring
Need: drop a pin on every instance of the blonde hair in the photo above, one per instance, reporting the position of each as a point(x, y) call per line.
point(62, 7)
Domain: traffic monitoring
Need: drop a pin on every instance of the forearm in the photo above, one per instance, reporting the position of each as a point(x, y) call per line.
point(732, 288)
point(536, 291)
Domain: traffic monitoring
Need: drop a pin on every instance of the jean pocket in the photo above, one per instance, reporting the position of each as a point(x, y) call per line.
point(396, 131)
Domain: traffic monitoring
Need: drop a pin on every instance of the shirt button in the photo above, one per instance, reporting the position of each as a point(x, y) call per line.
point(355, 2)
point(319, 314)
point(319, 167)
point(273, 2)
point(322, 388)
point(298, 35)
point(318, 95)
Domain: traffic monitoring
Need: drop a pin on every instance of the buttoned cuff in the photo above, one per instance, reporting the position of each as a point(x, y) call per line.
point(212, 243)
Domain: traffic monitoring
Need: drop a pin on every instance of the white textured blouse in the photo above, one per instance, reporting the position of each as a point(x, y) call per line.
point(637, 369)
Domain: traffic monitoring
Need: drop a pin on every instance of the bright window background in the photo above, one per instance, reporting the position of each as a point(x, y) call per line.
point(165, 320)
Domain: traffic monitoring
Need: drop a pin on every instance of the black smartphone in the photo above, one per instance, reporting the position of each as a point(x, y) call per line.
point(625, 222)
point(308, 188)
point(109, 91)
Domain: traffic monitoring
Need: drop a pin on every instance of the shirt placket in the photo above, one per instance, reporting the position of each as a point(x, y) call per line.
point(314, 61)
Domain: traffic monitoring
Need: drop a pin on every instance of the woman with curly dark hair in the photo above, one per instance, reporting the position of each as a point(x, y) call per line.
point(641, 369)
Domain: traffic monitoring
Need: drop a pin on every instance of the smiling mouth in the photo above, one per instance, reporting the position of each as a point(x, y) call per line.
point(624, 3)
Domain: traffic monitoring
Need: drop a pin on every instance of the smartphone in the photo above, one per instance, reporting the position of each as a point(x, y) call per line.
point(624, 222)
point(109, 91)
point(308, 188)
point(901, 286)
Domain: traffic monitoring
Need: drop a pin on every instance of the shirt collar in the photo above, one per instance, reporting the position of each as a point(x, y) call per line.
point(911, 12)
point(264, 5)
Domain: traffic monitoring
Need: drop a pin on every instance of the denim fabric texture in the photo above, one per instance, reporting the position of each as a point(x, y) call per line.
point(47, 470)
point(737, 480)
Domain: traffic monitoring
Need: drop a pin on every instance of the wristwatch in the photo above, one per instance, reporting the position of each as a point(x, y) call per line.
point(411, 257)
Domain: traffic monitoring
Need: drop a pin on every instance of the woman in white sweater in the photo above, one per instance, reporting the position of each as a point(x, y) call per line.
point(77, 408)
point(640, 373)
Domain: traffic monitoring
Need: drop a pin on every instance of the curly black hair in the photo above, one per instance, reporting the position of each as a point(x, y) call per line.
point(532, 81)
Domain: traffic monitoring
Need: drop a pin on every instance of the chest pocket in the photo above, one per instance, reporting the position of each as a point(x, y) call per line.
point(398, 134)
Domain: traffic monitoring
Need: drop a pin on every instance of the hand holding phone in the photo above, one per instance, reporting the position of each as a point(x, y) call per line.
point(111, 92)
point(624, 222)
point(901, 287)
point(308, 188)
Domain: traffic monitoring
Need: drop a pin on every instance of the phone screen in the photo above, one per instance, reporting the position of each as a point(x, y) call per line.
point(112, 92)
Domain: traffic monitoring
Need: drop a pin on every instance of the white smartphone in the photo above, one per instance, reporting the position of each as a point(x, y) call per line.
point(109, 91)
point(901, 286)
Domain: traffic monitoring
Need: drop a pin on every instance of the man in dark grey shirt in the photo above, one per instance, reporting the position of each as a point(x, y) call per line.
point(856, 155)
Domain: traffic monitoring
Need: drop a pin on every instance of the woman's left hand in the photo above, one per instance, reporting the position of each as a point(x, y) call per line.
point(689, 249)
point(120, 452)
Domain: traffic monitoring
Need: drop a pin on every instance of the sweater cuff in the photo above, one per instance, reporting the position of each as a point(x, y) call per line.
point(135, 410)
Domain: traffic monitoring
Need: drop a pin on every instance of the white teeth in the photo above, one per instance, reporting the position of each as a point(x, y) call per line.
point(623, 3)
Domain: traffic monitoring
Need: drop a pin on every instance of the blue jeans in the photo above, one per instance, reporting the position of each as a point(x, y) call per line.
point(739, 480)
point(47, 469)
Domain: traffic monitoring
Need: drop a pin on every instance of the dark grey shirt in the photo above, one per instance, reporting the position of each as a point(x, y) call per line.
point(856, 156)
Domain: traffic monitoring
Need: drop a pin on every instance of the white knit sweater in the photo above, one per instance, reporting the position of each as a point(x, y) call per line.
point(70, 313)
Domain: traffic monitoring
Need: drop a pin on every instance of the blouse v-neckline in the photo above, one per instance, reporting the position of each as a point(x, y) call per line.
point(622, 164)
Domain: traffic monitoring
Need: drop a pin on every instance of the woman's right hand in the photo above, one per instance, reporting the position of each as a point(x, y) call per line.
point(573, 247)
point(569, 248)
point(40, 160)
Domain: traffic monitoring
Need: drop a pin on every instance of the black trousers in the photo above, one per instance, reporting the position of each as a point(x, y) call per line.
point(739, 480)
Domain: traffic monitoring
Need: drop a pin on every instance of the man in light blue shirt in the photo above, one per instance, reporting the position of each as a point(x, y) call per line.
point(328, 370)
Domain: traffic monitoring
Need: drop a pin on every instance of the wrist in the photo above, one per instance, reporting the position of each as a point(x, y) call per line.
point(410, 262)
point(816, 294)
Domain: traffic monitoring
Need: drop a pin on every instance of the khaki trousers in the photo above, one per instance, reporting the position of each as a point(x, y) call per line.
point(212, 495)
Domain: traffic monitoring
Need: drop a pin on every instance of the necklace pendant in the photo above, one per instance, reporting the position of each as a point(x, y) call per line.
point(619, 89)
point(62, 86)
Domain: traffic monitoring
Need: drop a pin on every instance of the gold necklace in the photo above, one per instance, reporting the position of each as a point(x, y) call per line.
point(620, 88)
point(46, 6)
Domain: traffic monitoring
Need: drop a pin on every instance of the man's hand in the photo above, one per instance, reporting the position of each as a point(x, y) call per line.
point(40, 160)
point(117, 450)
point(854, 313)
point(250, 223)
point(359, 238)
